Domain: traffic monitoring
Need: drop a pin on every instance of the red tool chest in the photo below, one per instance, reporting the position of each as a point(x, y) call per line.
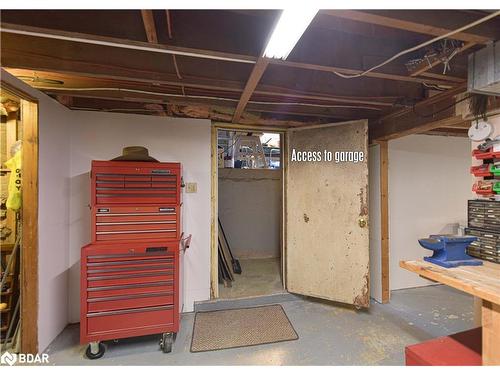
point(130, 271)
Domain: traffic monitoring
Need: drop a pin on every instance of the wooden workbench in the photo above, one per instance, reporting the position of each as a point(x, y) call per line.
point(480, 281)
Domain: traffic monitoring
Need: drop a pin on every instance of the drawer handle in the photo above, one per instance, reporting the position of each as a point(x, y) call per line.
point(137, 222)
point(130, 311)
point(118, 277)
point(160, 249)
point(133, 296)
point(138, 231)
point(130, 286)
point(128, 255)
point(141, 214)
point(166, 209)
point(143, 268)
point(132, 262)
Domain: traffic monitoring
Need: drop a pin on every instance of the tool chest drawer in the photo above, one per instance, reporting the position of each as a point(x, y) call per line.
point(117, 182)
point(129, 289)
point(115, 223)
point(121, 322)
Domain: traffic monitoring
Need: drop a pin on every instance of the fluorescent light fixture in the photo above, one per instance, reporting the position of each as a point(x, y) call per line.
point(290, 27)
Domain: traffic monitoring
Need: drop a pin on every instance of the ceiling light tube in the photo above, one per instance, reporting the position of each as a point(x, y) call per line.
point(290, 27)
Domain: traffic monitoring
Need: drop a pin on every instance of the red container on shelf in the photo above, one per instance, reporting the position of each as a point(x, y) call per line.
point(483, 187)
point(489, 154)
point(482, 170)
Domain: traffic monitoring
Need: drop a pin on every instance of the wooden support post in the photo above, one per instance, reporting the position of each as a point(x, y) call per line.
point(214, 226)
point(491, 330)
point(384, 219)
point(29, 253)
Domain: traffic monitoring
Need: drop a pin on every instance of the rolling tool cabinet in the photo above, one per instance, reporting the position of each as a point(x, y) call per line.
point(130, 272)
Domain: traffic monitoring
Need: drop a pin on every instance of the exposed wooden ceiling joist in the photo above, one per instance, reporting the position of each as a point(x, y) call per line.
point(423, 26)
point(149, 26)
point(192, 52)
point(253, 80)
point(124, 43)
point(443, 77)
point(215, 113)
point(332, 69)
point(73, 79)
point(435, 112)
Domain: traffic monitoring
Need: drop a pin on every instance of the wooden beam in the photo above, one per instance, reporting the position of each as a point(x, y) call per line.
point(435, 112)
point(384, 219)
point(123, 43)
point(424, 66)
point(333, 112)
point(465, 125)
point(253, 80)
point(447, 132)
point(149, 26)
point(396, 23)
point(444, 77)
point(193, 52)
point(332, 69)
point(66, 67)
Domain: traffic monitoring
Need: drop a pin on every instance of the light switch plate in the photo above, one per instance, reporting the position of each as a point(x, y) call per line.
point(191, 187)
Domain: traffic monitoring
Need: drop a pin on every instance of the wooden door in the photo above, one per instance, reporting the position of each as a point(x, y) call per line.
point(326, 212)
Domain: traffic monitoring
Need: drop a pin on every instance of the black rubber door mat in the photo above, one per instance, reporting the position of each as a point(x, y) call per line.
point(236, 328)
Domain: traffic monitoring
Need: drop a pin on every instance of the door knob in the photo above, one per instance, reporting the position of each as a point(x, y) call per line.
point(362, 222)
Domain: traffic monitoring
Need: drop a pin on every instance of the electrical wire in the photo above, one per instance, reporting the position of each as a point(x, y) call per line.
point(433, 40)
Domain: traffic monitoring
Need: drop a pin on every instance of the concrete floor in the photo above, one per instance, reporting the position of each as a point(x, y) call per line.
point(329, 334)
point(259, 277)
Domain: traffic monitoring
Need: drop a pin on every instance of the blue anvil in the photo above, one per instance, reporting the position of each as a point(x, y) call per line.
point(449, 250)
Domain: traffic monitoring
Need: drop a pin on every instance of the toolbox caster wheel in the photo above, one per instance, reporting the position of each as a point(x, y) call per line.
point(167, 339)
point(95, 350)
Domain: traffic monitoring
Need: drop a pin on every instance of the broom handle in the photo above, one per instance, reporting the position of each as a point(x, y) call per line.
point(225, 238)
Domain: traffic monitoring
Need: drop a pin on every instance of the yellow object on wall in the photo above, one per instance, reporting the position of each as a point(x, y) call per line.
point(14, 199)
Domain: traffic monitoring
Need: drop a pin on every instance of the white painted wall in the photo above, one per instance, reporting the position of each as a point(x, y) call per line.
point(101, 136)
point(429, 185)
point(375, 222)
point(250, 211)
point(53, 212)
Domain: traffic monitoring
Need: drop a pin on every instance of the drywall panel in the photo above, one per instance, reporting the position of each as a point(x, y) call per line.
point(429, 184)
point(53, 213)
point(375, 223)
point(101, 136)
point(250, 211)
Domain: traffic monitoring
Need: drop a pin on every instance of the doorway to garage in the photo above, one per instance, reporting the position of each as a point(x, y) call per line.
point(250, 206)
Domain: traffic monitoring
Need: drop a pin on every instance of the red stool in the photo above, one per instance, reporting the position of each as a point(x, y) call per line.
point(460, 349)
